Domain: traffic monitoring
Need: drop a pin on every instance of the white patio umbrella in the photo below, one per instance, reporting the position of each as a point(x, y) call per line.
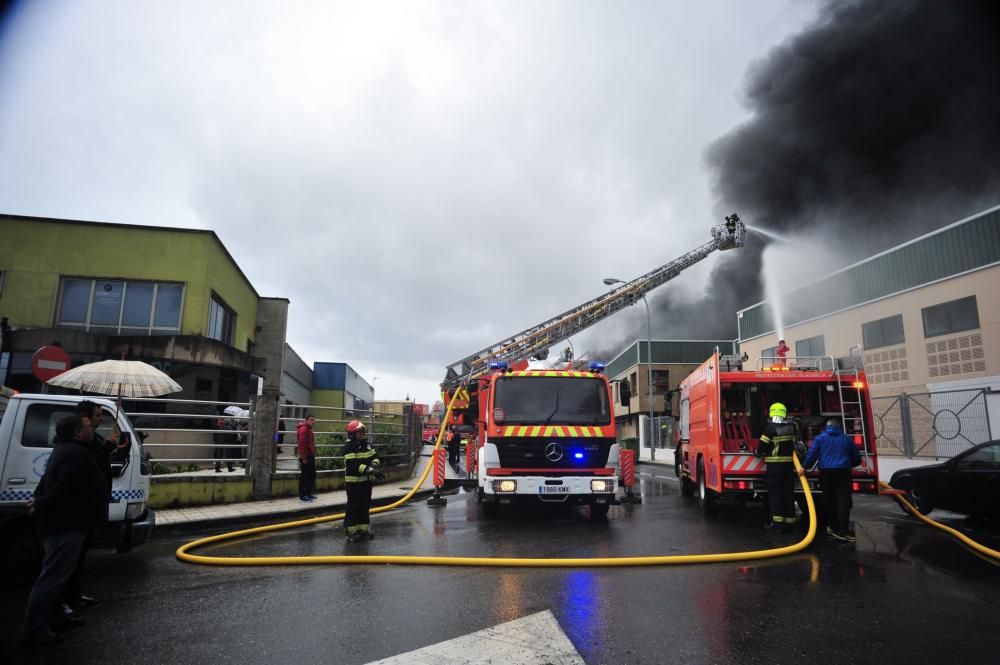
point(121, 378)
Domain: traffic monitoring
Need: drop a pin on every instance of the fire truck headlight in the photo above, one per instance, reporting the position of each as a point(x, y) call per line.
point(602, 485)
point(505, 486)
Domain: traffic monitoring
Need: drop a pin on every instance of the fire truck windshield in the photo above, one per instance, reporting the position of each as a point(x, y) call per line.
point(552, 400)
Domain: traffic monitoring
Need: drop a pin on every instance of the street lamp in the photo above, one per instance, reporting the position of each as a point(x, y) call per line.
point(610, 281)
point(371, 416)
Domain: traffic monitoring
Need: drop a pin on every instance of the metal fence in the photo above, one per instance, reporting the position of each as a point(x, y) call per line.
point(188, 436)
point(939, 424)
point(662, 434)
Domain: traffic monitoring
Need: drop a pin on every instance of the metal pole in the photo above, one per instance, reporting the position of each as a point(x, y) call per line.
point(649, 380)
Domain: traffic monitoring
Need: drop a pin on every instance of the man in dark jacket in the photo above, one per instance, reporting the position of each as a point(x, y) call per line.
point(113, 450)
point(837, 455)
point(360, 463)
point(454, 446)
point(70, 499)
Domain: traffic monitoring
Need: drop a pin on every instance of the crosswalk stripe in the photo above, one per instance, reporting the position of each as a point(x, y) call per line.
point(535, 639)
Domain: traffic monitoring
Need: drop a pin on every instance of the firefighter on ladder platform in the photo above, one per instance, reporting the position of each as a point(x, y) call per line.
point(777, 445)
point(361, 463)
point(781, 351)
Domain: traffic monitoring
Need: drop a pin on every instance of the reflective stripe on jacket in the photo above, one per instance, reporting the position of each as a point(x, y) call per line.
point(777, 443)
point(360, 459)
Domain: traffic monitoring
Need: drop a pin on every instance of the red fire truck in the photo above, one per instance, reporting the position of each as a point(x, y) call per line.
point(543, 435)
point(549, 434)
point(724, 410)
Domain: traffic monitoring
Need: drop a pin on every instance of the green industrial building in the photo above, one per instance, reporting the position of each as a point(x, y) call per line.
point(173, 297)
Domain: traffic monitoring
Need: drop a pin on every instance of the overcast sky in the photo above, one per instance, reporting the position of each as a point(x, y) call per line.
point(420, 179)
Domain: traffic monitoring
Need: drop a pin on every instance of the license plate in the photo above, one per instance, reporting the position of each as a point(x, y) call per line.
point(553, 489)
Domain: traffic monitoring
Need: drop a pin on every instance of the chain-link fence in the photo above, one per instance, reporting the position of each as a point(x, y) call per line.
point(939, 424)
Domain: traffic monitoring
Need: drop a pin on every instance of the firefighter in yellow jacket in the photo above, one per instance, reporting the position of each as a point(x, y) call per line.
point(777, 445)
point(361, 464)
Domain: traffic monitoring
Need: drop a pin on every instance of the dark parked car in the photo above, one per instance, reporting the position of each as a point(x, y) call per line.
point(967, 483)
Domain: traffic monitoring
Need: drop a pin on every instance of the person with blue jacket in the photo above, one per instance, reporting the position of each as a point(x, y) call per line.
point(837, 455)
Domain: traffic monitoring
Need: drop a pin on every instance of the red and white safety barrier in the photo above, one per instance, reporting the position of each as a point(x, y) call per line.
point(627, 460)
point(439, 462)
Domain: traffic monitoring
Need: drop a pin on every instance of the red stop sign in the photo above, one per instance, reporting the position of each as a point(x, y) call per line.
point(49, 362)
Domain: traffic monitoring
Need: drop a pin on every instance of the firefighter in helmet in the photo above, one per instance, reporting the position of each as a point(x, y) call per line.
point(777, 445)
point(361, 464)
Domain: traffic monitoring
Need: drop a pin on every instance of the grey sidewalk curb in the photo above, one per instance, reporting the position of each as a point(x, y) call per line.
point(268, 517)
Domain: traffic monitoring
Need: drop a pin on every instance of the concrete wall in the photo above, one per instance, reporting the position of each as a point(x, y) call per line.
point(35, 253)
point(908, 365)
point(328, 398)
point(640, 388)
point(297, 381)
point(182, 491)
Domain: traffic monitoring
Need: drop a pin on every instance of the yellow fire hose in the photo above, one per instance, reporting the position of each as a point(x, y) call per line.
point(965, 540)
point(184, 552)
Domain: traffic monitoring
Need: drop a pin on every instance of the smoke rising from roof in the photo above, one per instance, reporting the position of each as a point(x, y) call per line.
point(876, 124)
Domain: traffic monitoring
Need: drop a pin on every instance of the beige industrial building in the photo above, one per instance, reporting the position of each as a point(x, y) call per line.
point(924, 312)
point(926, 315)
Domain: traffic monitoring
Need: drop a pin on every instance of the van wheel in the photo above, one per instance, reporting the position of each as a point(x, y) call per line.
point(706, 497)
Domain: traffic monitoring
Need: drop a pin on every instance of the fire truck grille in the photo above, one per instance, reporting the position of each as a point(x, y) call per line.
point(554, 453)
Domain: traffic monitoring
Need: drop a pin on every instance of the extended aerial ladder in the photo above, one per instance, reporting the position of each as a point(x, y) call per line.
point(536, 340)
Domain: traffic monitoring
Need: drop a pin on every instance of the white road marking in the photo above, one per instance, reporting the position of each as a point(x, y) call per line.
point(536, 639)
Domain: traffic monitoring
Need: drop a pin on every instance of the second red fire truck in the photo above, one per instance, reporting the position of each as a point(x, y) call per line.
point(724, 410)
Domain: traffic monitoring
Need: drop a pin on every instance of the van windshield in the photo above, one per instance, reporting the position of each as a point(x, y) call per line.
point(552, 400)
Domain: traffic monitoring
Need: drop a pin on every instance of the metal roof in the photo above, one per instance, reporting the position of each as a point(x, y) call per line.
point(967, 245)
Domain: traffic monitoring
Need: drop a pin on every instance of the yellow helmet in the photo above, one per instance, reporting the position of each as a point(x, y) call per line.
point(778, 410)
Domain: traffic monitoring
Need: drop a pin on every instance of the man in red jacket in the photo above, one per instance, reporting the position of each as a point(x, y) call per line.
point(306, 448)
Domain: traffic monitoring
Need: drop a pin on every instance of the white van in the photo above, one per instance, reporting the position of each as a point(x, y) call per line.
point(27, 432)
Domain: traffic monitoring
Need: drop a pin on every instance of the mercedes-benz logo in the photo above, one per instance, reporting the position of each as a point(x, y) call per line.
point(553, 452)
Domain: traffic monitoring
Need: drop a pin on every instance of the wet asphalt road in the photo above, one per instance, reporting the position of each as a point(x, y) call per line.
point(903, 594)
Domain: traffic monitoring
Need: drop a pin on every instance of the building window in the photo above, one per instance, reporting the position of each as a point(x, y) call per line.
point(950, 317)
point(769, 352)
point(884, 332)
point(120, 307)
point(661, 380)
point(812, 347)
point(221, 321)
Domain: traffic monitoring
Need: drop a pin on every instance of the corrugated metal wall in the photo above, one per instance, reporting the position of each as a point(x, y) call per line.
point(955, 250)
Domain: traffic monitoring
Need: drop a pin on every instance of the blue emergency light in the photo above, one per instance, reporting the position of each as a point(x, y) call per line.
point(596, 367)
point(578, 455)
point(499, 364)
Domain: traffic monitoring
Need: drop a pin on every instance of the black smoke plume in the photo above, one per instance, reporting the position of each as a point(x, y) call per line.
point(878, 123)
